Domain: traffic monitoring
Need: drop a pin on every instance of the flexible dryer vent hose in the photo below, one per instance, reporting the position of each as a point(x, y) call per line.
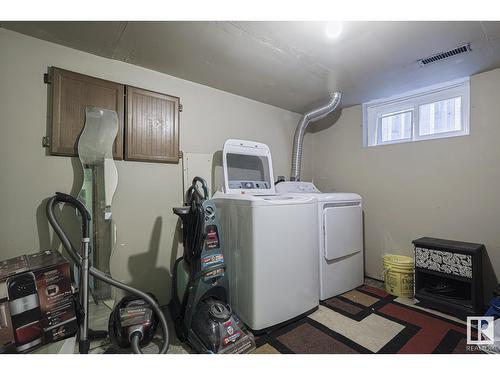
point(298, 139)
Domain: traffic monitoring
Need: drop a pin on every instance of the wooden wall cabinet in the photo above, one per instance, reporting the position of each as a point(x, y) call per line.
point(152, 126)
point(71, 93)
point(148, 122)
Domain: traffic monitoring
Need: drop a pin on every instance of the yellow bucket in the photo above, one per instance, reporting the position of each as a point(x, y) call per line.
point(398, 275)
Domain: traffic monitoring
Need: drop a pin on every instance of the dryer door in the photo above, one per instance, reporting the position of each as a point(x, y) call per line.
point(342, 229)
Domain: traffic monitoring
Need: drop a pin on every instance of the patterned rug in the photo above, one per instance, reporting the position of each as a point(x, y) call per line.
point(368, 320)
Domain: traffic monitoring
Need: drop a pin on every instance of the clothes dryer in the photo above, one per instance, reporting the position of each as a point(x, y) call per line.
point(340, 237)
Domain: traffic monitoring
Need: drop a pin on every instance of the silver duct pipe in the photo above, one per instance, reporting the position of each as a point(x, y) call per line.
point(298, 139)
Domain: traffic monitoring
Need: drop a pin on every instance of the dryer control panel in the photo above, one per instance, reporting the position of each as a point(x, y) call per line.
point(296, 187)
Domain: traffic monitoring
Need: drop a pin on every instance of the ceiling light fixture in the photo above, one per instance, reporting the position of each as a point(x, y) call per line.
point(333, 29)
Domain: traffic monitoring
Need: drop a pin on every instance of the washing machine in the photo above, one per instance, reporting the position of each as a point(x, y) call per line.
point(270, 240)
point(340, 237)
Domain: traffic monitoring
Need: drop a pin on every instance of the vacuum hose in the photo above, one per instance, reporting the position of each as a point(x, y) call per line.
point(65, 198)
point(134, 343)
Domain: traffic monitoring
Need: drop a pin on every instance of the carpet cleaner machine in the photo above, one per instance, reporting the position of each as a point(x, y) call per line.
point(199, 307)
point(134, 320)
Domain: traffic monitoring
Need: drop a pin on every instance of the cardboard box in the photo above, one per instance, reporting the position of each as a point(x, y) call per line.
point(36, 301)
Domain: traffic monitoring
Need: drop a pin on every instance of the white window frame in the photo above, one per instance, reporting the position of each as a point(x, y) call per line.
point(374, 110)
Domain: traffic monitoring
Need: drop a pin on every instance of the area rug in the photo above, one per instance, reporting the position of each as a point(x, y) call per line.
point(368, 320)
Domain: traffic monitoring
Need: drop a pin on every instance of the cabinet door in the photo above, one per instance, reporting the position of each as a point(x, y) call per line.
point(152, 126)
point(71, 93)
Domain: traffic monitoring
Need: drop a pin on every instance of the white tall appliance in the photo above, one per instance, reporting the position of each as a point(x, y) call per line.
point(270, 241)
point(340, 234)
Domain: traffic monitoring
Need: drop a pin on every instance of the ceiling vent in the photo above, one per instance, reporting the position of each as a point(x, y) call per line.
point(445, 55)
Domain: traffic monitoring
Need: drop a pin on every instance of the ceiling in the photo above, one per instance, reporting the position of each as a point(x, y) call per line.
point(292, 65)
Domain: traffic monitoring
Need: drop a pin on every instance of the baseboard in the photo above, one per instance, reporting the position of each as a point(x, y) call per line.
point(373, 277)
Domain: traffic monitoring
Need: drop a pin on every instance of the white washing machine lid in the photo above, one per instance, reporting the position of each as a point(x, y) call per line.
point(248, 168)
point(263, 200)
point(304, 187)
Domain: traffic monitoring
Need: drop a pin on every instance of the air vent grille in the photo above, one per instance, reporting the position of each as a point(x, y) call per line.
point(445, 55)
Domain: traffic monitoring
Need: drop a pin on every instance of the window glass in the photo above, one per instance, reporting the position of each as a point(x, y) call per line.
point(440, 117)
point(437, 111)
point(395, 127)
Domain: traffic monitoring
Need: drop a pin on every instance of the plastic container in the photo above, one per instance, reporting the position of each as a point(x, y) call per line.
point(494, 309)
point(398, 275)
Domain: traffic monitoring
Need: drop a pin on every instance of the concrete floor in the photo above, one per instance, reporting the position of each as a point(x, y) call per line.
point(99, 317)
point(98, 320)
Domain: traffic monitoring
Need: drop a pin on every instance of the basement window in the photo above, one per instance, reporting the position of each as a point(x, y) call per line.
point(434, 112)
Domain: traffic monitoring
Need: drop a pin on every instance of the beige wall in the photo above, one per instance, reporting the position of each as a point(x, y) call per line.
point(448, 188)
point(146, 193)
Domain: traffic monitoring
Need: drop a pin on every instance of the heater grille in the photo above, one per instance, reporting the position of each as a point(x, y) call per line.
point(445, 55)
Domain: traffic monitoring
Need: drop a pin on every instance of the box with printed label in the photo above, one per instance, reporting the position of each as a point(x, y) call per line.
point(36, 301)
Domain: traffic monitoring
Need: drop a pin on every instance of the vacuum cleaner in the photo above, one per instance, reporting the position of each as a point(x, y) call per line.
point(132, 324)
point(134, 319)
point(199, 306)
